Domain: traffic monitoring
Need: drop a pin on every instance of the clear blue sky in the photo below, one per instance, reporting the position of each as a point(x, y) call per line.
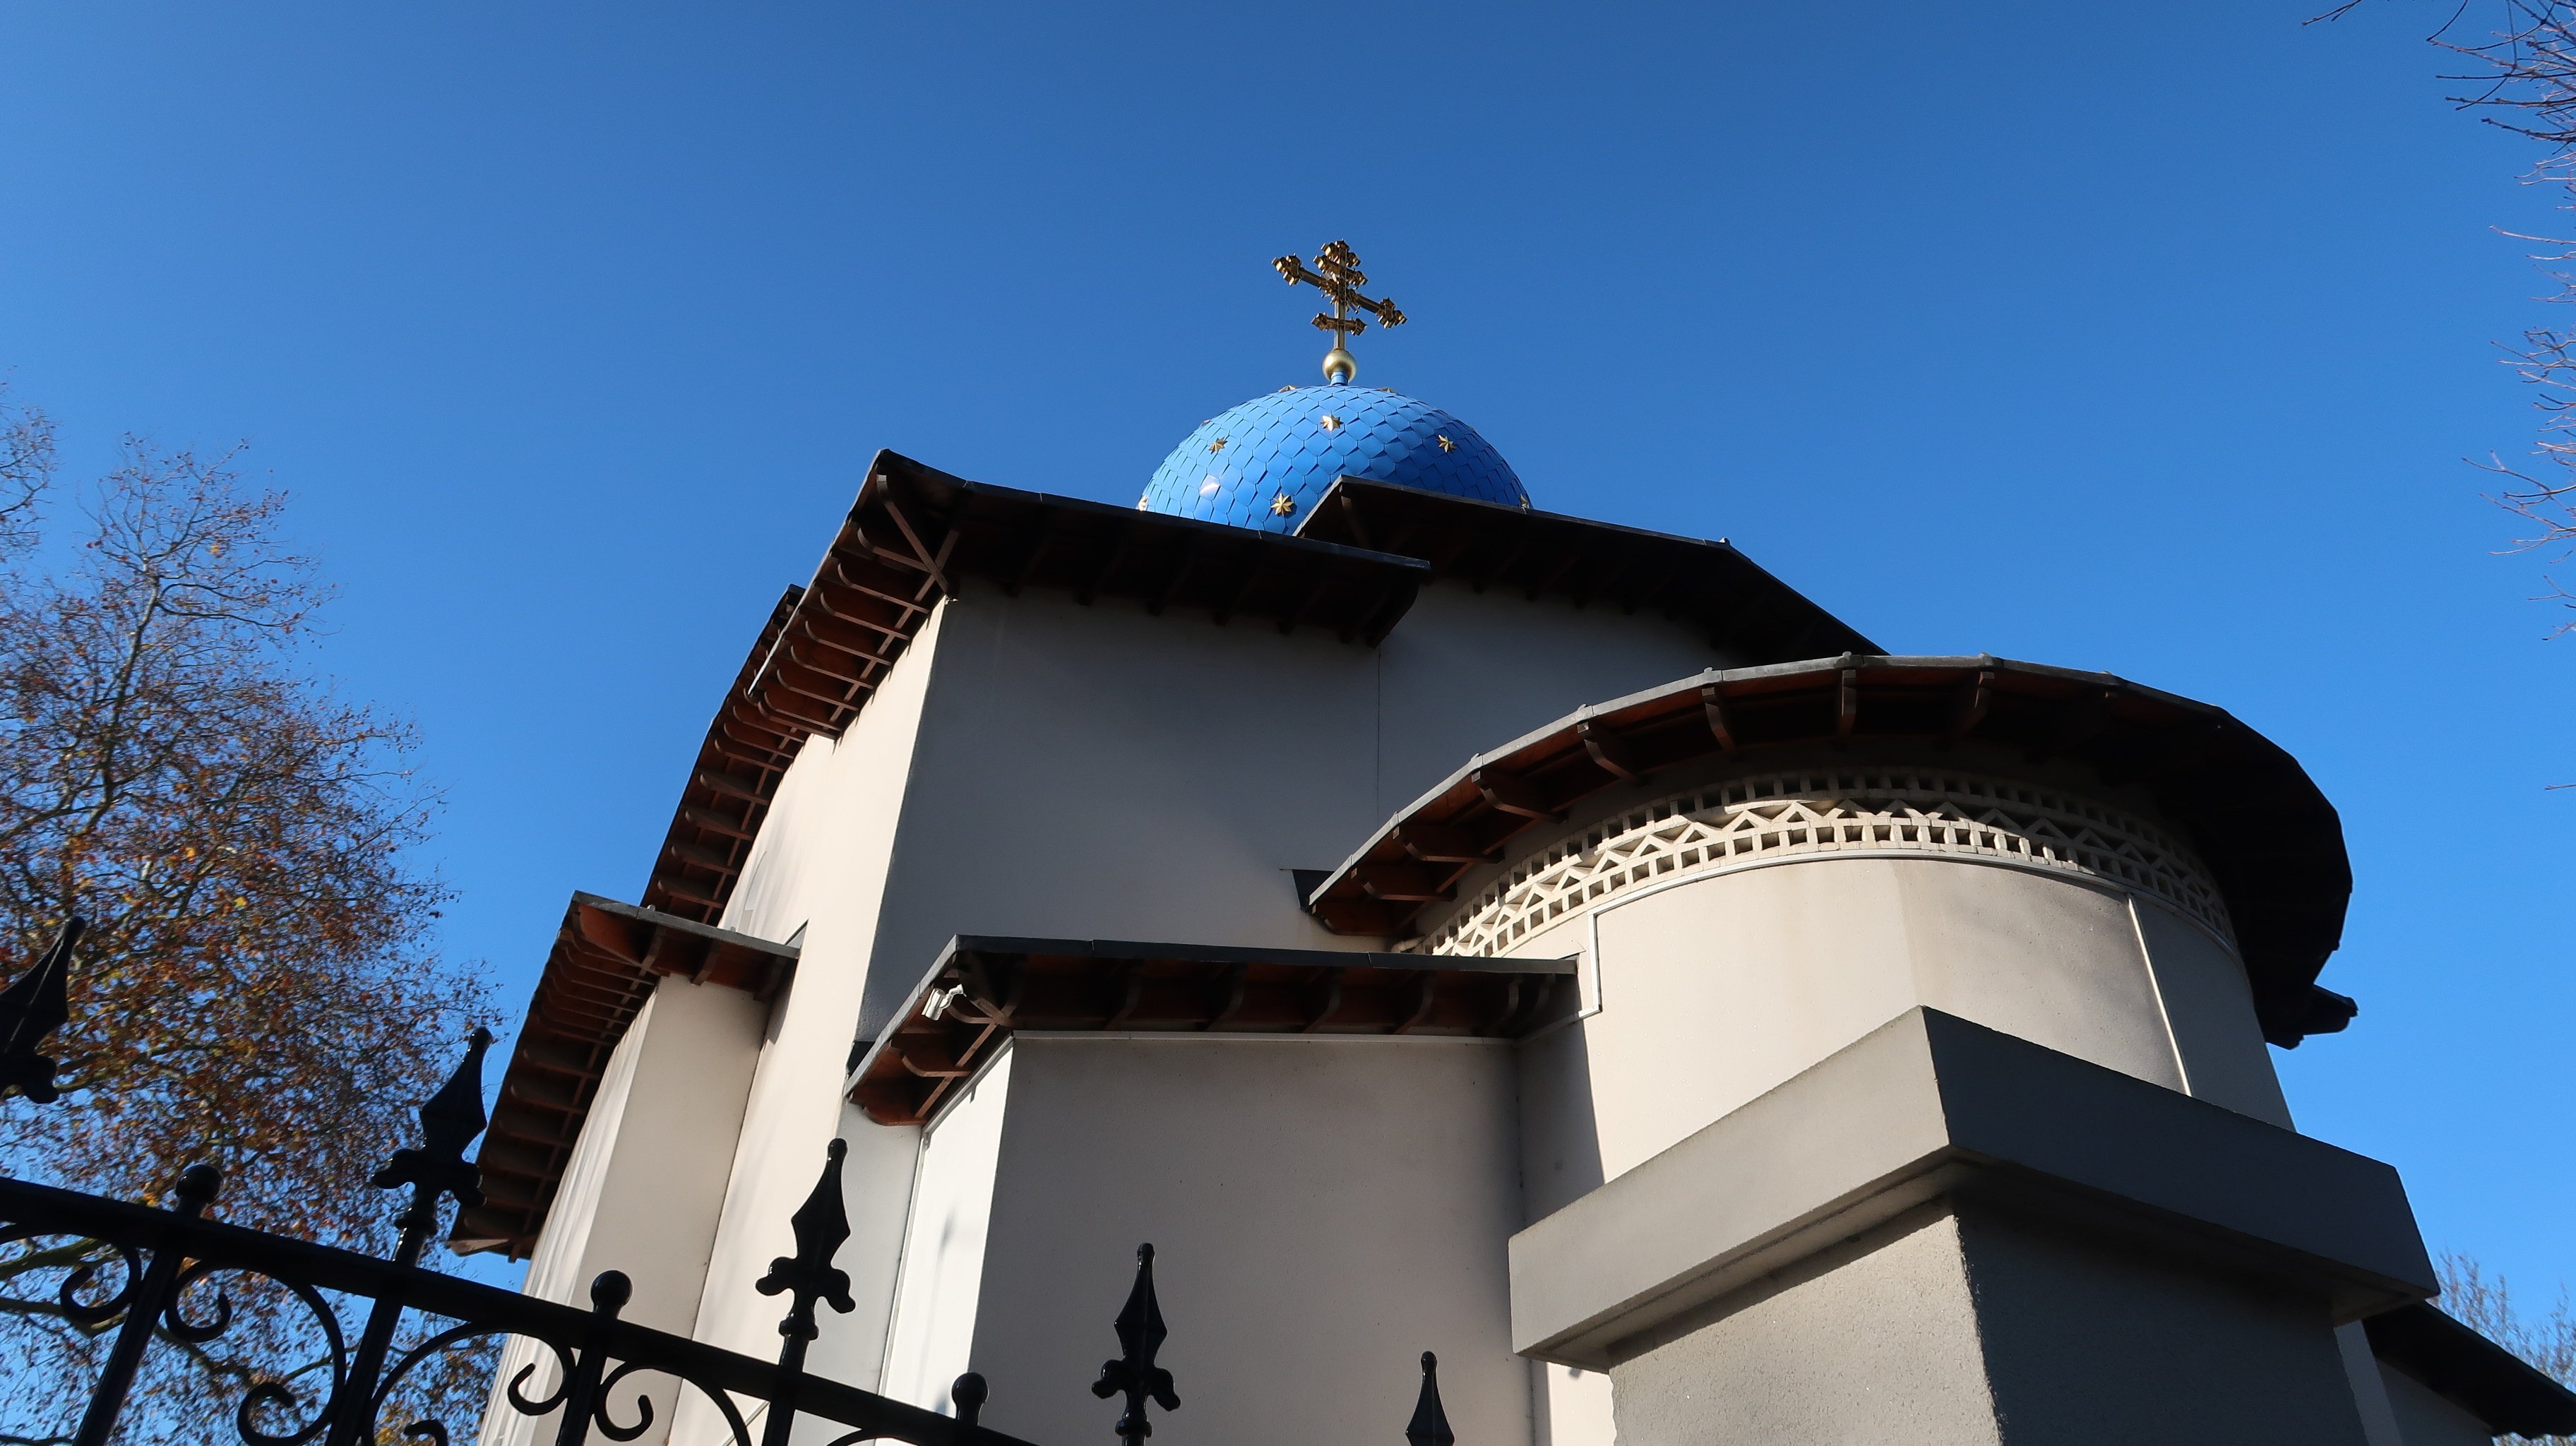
point(2147, 338)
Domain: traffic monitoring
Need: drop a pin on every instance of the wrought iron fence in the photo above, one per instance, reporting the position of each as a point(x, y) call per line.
point(164, 1271)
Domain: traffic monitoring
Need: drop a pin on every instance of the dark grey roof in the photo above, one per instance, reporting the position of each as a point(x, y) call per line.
point(2465, 1368)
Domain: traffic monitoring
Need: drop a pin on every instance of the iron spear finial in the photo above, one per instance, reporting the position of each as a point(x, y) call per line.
point(821, 1224)
point(34, 1005)
point(1337, 274)
point(1134, 1374)
point(449, 1121)
point(1430, 1424)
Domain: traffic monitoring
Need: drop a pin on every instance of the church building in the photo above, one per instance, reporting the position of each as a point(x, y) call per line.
point(1441, 924)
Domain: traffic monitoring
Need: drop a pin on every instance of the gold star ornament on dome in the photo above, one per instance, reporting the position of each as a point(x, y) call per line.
point(1282, 505)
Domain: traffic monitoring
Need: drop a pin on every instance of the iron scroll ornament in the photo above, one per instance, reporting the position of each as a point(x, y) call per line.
point(167, 1262)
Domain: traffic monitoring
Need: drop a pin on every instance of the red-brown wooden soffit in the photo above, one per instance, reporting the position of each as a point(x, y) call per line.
point(606, 959)
point(983, 990)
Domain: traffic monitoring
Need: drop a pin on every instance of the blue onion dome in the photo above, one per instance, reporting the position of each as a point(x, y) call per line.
point(1265, 463)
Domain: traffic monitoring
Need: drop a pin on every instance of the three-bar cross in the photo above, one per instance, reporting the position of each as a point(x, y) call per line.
point(1337, 274)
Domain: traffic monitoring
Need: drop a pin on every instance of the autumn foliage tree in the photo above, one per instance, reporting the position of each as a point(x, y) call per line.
point(256, 988)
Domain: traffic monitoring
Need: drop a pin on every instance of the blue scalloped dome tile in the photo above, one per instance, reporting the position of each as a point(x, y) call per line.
point(1278, 444)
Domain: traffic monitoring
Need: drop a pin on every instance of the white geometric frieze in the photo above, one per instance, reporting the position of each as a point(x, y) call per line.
point(1744, 822)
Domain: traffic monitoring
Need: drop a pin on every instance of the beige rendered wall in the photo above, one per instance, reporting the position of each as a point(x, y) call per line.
point(877, 1182)
point(646, 1181)
point(2211, 1010)
point(1323, 1209)
point(1939, 1329)
point(2096, 1342)
point(2424, 1418)
point(1103, 773)
point(1034, 766)
point(1715, 990)
point(1466, 671)
point(940, 1284)
point(818, 865)
point(1874, 1341)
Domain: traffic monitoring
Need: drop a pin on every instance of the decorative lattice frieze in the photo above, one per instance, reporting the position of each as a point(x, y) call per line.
point(1860, 811)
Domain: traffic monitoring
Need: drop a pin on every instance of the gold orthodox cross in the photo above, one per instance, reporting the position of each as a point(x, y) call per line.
point(1337, 274)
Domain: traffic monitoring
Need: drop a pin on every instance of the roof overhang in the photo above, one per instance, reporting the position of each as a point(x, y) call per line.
point(2271, 841)
point(983, 990)
point(606, 960)
point(1719, 592)
point(2465, 1368)
point(915, 536)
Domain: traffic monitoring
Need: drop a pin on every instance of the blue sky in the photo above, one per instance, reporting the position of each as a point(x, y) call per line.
point(2142, 338)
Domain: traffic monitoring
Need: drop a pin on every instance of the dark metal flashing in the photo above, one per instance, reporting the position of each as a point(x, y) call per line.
point(2465, 1368)
point(606, 960)
point(1740, 608)
point(2270, 839)
point(984, 989)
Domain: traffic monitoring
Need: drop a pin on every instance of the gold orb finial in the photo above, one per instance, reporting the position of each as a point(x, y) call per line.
point(1337, 274)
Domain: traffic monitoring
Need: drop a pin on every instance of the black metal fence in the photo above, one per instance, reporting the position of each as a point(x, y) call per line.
point(155, 1276)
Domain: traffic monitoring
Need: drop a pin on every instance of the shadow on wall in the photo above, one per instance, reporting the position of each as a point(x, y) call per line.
point(1560, 1138)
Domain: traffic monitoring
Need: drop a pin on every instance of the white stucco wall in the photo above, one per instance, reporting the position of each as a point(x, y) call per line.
point(2211, 1010)
point(1323, 1210)
point(1716, 990)
point(2369, 1386)
point(1033, 766)
point(647, 1178)
point(1104, 773)
point(2425, 1418)
point(877, 1181)
point(1466, 670)
point(941, 1281)
point(1875, 1342)
point(819, 865)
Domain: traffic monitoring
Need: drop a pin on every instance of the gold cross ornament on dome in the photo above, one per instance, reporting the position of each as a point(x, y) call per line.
point(1337, 274)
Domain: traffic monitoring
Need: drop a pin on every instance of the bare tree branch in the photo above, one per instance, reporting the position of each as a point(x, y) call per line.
point(2484, 1303)
point(26, 470)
